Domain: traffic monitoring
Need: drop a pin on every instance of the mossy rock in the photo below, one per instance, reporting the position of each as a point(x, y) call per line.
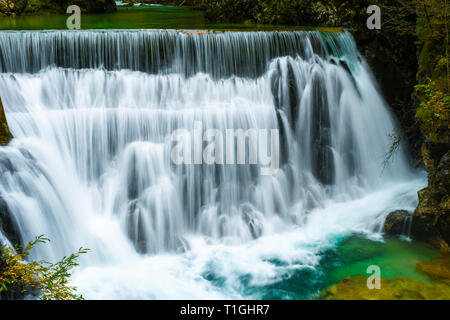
point(5, 134)
point(431, 220)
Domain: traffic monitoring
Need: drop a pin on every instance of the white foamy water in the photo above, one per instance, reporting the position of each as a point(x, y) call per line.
point(92, 114)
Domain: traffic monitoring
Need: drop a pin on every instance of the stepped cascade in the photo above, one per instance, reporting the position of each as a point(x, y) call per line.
point(92, 113)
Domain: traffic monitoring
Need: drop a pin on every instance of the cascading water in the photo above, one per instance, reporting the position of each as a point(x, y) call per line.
point(92, 113)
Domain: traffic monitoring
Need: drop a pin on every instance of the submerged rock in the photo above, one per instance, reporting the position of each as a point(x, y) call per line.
point(355, 288)
point(437, 270)
point(5, 134)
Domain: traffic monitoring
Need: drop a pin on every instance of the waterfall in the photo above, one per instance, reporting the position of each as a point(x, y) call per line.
point(92, 113)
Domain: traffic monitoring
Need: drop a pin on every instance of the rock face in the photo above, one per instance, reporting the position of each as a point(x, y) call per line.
point(383, 51)
point(398, 223)
point(431, 220)
point(8, 225)
point(5, 134)
point(432, 217)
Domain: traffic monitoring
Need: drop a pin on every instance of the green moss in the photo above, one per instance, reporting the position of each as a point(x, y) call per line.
point(434, 111)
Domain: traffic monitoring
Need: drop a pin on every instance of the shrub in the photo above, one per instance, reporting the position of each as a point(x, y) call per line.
point(49, 281)
point(433, 111)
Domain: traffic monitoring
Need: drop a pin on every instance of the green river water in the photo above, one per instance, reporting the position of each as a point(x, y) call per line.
point(351, 257)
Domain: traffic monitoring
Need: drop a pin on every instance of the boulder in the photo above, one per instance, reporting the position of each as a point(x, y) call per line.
point(398, 223)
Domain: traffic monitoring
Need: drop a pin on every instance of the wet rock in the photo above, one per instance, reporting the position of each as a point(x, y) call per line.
point(424, 222)
point(5, 134)
point(431, 220)
point(8, 225)
point(398, 223)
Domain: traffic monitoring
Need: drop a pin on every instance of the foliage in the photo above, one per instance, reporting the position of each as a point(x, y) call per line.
point(432, 33)
point(60, 6)
point(50, 281)
point(327, 13)
point(434, 90)
point(283, 12)
point(12, 7)
point(434, 111)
